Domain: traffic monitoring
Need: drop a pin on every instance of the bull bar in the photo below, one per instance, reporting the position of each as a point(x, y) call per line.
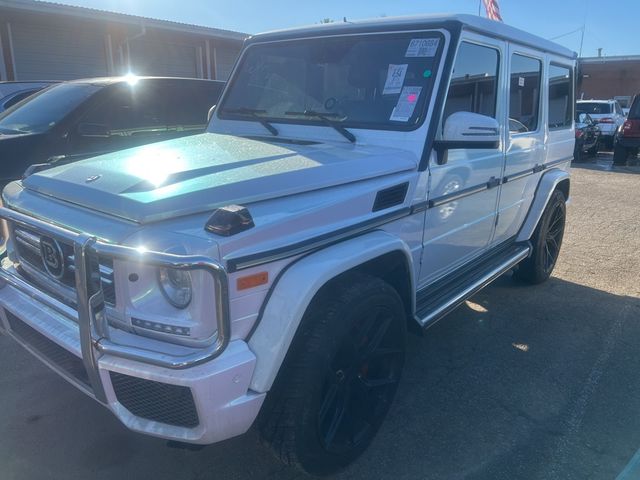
point(92, 319)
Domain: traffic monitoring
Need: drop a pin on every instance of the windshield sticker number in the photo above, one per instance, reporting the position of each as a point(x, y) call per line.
point(406, 105)
point(423, 47)
point(395, 79)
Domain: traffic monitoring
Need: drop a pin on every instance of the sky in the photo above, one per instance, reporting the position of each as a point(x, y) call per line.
point(609, 25)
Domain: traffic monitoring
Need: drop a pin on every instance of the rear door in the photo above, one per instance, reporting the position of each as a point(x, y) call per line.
point(525, 135)
point(463, 192)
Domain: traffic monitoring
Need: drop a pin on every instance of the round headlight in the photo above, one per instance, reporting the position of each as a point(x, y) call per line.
point(176, 286)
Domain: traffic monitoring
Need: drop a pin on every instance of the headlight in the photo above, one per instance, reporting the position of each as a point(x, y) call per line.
point(176, 286)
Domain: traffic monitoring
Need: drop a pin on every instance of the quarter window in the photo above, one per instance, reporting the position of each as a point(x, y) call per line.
point(561, 97)
point(474, 81)
point(524, 94)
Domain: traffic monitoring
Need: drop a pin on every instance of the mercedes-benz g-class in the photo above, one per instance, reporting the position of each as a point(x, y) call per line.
point(355, 179)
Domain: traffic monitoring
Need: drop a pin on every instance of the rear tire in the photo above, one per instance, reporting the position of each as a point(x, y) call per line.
point(593, 151)
point(546, 242)
point(578, 155)
point(620, 155)
point(339, 377)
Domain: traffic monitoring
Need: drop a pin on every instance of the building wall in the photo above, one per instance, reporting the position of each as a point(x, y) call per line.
point(58, 47)
point(605, 79)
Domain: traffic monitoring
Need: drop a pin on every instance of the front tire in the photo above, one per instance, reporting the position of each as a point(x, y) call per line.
point(546, 242)
point(339, 378)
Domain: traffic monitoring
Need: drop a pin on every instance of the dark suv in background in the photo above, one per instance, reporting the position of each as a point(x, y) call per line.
point(628, 138)
point(14, 92)
point(83, 118)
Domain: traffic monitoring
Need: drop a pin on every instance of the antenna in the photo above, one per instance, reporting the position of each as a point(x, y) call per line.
point(584, 26)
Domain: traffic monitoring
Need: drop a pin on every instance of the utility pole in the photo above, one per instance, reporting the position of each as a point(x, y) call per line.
point(584, 26)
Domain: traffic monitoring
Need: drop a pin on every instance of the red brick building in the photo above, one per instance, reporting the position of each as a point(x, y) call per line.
point(48, 41)
point(609, 77)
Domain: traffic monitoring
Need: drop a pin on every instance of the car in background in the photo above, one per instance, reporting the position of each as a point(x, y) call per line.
point(84, 118)
point(607, 113)
point(628, 139)
point(587, 137)
point(14, 92)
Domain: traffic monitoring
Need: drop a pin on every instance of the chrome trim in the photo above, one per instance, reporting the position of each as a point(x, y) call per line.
point(91, 315)
point(476, 286)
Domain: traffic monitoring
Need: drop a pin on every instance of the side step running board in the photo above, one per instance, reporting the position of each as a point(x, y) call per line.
point(436, 301)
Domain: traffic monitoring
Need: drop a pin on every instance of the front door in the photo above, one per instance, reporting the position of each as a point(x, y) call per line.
point(463, 192)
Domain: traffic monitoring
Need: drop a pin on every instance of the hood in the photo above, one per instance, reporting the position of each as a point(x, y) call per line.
point(196, 174)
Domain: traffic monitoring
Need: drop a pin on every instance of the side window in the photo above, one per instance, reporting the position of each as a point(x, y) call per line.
point(189, 104)
point(524, 94)
point(560, 97)
point(473, 81)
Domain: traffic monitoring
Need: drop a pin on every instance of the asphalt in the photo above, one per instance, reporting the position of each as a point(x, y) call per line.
point(519, 383)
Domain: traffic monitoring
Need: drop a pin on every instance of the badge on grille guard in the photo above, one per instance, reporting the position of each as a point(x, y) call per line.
point(52, 257)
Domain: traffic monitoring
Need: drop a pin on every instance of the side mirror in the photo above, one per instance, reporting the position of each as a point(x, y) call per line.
point(93, 130)
point(466, 130)
point(210, 114)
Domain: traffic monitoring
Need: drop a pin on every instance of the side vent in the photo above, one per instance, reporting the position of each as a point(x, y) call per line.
point(390, 197)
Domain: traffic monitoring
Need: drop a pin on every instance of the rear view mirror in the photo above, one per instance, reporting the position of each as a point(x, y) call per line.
point(466, 130)
point(210, 114)
point(93, 130)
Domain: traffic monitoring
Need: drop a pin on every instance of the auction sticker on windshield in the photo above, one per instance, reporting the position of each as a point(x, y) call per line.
point(395, 79)
point(423, 47)
point(406, 104)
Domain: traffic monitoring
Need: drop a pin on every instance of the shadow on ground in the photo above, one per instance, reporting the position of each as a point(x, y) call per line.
point(522, 382)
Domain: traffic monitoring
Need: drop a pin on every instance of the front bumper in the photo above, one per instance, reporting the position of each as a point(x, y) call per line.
point(196, 395)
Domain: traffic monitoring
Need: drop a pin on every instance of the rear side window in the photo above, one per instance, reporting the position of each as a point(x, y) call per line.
point(474, 81)
point(561, 97)
point(634, 112)
point(524, 94)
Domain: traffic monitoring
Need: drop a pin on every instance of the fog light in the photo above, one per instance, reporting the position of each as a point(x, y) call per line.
point(176, 286)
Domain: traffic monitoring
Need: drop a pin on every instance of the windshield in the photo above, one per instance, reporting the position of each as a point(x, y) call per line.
point(45, 109)
point(594, 108)
point(369, 81)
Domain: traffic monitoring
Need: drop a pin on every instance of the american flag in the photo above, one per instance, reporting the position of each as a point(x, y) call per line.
point(493, 10)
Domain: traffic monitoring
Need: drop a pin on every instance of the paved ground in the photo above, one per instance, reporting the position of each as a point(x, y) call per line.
point(521, 383)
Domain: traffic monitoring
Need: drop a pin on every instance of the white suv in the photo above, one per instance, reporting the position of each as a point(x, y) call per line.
point(355, 178)
point(608, 115)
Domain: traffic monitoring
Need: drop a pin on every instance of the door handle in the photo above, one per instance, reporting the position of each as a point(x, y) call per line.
point(493, 182)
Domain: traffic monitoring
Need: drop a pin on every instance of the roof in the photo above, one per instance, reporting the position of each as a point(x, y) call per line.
point(615, 58)
point(104, 81)
point(53, 8)
point(469, 22)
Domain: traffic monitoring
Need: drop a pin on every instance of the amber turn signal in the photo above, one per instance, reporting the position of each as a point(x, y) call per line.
point(252, 281)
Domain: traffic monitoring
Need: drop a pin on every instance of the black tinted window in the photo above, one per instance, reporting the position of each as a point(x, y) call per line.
point(561, 97)
point(634, 111)
point(46, 109)
point(189, 105)
point(524, 94)
point(473, 82)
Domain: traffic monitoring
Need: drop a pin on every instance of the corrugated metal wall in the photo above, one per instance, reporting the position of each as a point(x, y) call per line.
point(167, 59)
point(46, 52)
point(225, 60)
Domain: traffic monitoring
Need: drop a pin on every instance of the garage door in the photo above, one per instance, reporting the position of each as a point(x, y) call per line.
point(45, 52)
point(149, 57)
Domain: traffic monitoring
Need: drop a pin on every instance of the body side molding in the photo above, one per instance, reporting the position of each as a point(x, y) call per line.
point(297, 287)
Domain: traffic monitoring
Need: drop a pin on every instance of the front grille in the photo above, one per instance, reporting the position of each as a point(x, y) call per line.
point(160, 402)
point(57, 355)
point(29, 251)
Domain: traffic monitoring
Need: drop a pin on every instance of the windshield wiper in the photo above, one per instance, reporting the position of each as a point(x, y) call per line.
point(254, 113)
point(326, 118)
